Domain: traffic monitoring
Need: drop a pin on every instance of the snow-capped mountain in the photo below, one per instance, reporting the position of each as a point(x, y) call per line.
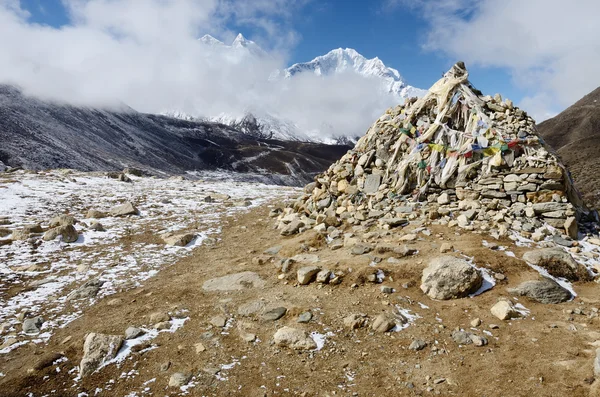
point(267, 123)
point(349, 60)
point(240, 45)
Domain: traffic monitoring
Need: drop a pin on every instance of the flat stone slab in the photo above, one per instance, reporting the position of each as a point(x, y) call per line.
point(234, 282)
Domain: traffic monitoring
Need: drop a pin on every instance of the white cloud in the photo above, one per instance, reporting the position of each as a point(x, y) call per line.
point(145, 53)
point(551, 47)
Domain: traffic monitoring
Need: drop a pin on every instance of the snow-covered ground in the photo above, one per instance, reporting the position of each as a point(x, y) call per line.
point(37, 275)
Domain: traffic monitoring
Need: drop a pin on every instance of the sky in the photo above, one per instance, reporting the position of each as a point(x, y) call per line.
point(539, 53)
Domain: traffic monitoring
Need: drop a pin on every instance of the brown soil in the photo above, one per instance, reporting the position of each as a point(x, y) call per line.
point(549, 353)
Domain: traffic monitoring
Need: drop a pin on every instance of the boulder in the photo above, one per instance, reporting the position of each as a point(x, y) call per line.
point(307, 273)
point(98, 349)
point(558, 263)
point(504, 310)
point(68, 234)
point(88, 290)
point(448, 277)
point(95, 214)
point(274, 314)
point(543, 291)
point(383, 323)
point(32, 325)
point(24, 232)
point(62, 220)
point(355, 321)
point(292, 228)
point(294, 339)
point(179, 379)
point(97, 227)
point(124, 210)
point(178, 240)
point(133, 332)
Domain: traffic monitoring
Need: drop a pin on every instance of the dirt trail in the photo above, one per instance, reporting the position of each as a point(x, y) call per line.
point(547, 353)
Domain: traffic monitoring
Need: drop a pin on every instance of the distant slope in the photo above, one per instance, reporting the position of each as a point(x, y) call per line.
point(575, 134)
point(38, 135)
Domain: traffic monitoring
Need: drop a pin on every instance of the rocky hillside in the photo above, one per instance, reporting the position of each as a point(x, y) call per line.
point(42, 135)
point(575, 134)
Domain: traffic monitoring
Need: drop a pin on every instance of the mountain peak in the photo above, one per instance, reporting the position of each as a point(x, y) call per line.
point(208, 39)
point(240, 40)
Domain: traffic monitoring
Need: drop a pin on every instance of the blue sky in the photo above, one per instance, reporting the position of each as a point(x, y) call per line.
point(394, 34)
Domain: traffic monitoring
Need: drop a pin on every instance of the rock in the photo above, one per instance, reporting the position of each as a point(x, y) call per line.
point(443, 199)
point(88, 290)
point(97, 350)
point(24, 232)
point(219, 321)
point(307, 273)
point(274, 314)
point(178, 240)
point(179, 379)
point(597, 363)
point(447, 277)
point(133, 333)
point(462, 337)
point(372, 183)
point(159, 317)
point(409, 237)
point(124, 210)
point(504, 310)
point(8, 342)
point(292, 228)
point(446, 247)
point(68, 234)
point(97, 227)
point(62, 220)
point(383, 323)
point(233, 282)
point(294, 339)
point(32, 325)
point(95, 214)
point(323, 276)
point(355, 321)
point(467, 338)
point(273, 250)
point(558, 263)
point(544, 291)
point(361, 249)
point(417, 345)
point(478, 340)
point(304, 318)
point(199, 347)
point(541, 208)
point(386, 290)
point(571, 227)
point(162, 325)
point(250, 308)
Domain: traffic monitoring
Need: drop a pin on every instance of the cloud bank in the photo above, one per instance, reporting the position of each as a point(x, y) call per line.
point(551, 47)
point(146, 54)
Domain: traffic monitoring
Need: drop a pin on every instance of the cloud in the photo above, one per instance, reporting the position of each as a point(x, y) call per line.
point(551, 47)
point(146, 54)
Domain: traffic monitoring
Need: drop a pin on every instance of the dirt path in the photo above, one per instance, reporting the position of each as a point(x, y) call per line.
point(547, 353)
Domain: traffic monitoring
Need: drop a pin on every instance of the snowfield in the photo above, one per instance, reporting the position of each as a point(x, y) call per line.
point(38, 275)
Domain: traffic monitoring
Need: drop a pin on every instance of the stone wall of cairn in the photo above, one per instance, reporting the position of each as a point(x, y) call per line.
point(453, 156)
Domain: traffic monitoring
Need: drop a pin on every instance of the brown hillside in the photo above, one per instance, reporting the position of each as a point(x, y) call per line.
point(575, 134)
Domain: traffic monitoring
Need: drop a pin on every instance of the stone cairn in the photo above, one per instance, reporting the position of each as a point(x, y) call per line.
point(453, 156)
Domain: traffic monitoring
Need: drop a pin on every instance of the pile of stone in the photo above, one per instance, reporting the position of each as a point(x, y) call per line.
point(454, 156)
